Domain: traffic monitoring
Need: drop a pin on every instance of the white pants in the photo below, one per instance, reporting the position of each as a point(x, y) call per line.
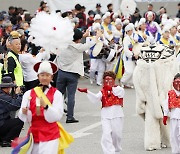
point(155, 131)
point(129, 66)
point(112, 135)
point(50, 147)
point(175, 135)
point(99, 66)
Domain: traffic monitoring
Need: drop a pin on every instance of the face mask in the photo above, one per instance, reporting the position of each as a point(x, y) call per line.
point(176, 84)
point(108, 82)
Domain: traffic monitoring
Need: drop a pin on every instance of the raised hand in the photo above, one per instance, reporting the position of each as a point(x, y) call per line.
point(83, 90)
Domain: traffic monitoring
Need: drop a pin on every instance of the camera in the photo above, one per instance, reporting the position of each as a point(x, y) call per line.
point(23, 89)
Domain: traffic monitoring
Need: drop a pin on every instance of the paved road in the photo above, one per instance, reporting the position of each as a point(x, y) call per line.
point(88, 131)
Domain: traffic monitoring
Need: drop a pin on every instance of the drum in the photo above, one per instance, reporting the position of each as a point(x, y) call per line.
point(109, 55)
point(104, 52)
point(97, 48)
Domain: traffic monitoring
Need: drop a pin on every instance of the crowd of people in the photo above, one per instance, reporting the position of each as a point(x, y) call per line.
point(110, 38)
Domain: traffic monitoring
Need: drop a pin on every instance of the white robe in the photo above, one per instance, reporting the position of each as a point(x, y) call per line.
point(129, 65)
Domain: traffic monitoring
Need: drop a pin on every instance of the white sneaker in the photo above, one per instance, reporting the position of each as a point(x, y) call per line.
point(99, 84)
point(150, 149)
point(163, 145)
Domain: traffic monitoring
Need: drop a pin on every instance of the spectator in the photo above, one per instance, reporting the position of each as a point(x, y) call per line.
point(83, 9)
point(162, 11)
point(1, 24)
point(14, 67)
point(98, 9)
point(41, 6)
point(27, 61)
point(25, 27)
point(9, 128)
point(18, 22)
point(136, 16)
point(11, 10)
point(90, 19)
point(110, 8)
point(80, 15)
point(150, 8)
point(70, 64)
point(27, 17)
point(178, 14)
point(6, 32)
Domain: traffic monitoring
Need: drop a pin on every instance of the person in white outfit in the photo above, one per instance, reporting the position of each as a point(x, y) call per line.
point(112, 115)
point(43, 117)
point(96, 63)
point(27, 61)
point(172, 105)
point(128, 57)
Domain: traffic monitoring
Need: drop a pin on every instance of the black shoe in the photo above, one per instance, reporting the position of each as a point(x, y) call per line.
point(5, 144)
point(72, 120)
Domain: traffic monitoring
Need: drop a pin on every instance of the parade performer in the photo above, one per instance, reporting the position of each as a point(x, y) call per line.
point(108, 35)
point(165, 35)
point(107, 26)
point(142, 33)
point(112, 115)
point(128, 57)
point(127, 9)
point(42, 107)
point(153, 26)
point(96, 62)
point(117, 37)
point(172, 105)
point(117, 31)
point(174, 39)
point(152, 80)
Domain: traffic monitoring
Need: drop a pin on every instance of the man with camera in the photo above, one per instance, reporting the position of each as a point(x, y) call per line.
point(10, 128)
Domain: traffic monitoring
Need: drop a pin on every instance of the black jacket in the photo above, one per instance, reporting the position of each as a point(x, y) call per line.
point(8, 104)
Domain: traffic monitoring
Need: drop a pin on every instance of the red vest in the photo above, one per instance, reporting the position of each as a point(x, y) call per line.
point(42, 130)
point(108, 99)
point(173, 100)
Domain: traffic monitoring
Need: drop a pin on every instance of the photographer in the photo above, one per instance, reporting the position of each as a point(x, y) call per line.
point(9, 128)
